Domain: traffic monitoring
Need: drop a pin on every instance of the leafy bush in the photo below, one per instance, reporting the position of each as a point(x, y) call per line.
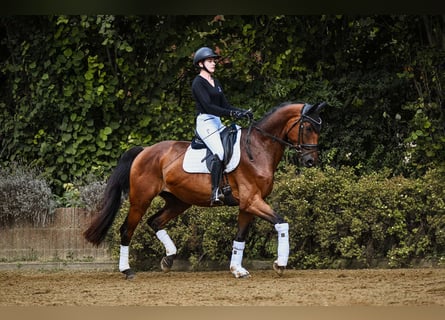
point(84, 193)
point(91, 195)
point(25, 197)
point(337, 219)
point(340, 219)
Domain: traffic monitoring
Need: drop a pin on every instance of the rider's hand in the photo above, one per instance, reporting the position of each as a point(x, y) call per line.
point(239, 114)
point(248, 114)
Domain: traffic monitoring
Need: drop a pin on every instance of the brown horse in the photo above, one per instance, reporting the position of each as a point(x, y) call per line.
point(144, 173)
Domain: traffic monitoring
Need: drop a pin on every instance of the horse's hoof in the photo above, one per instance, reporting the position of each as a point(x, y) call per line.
point(129, 274)
point(167, 263)
point(278, 269)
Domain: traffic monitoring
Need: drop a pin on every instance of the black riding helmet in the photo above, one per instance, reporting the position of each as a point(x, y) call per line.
point(202, 54)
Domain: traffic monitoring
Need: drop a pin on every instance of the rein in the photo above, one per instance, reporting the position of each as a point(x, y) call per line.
point(296, 147)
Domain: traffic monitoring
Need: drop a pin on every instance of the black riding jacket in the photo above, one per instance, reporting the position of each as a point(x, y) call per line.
point(210, 100)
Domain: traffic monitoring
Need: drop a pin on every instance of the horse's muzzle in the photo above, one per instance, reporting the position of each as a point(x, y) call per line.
point(309, 159)
point(309, 163)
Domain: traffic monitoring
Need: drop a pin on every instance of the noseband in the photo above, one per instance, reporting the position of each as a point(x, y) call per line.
point(299, 146)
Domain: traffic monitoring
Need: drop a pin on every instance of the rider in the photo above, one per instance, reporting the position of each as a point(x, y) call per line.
point(211, 104)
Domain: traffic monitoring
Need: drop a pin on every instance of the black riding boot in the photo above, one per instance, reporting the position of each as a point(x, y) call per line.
point(217, 197)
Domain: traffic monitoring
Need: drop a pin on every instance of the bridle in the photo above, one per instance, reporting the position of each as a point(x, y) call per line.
point(300, 147)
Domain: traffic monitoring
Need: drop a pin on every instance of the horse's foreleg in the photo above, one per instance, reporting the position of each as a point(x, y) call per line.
point(244, 221)
point(283, 247)
point(261, 209)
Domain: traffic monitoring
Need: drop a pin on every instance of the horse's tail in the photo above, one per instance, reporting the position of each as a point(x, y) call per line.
point(118, 183)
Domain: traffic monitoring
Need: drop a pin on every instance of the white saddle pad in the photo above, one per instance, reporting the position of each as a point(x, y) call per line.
point(195, 162)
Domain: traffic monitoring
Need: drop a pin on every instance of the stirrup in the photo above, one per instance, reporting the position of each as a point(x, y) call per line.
point(217, 198)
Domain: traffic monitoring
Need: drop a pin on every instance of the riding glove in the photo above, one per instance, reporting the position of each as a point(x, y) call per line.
point(239, 114)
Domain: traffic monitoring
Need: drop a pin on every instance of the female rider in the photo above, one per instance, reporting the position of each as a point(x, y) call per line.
point(211, 104)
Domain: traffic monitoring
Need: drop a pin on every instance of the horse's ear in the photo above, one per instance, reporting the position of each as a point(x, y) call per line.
point(308, 108)
point(314, 109)
point(319, 106)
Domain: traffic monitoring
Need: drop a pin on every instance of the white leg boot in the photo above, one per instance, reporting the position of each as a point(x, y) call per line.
point(170, 250)
point(283, 247)
point(236, 261)
point(123, 259)
point(170, 247)
point(124, 266)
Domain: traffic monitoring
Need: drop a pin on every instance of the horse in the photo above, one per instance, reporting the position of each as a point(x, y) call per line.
point(142, 173)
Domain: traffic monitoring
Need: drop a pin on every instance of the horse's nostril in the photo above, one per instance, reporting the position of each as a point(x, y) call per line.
point(309, 163)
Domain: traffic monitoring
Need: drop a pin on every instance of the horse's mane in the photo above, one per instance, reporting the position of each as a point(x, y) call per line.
point(272, 110)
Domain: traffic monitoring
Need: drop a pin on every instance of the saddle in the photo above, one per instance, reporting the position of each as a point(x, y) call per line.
point(228, 139)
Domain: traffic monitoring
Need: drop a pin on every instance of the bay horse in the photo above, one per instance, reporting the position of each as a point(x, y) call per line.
point(143, 173)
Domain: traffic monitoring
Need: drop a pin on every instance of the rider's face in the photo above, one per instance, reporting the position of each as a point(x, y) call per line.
point(210, 64)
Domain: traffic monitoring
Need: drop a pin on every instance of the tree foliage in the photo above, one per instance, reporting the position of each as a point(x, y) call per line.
point(76, 91)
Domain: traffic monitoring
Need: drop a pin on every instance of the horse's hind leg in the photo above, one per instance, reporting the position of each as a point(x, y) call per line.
point(126, 231)
point(173, 207)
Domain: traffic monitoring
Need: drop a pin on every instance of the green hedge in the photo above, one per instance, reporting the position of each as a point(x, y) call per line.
point(337, 220)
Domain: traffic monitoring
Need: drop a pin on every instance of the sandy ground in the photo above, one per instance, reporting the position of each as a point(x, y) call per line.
point(401, 287)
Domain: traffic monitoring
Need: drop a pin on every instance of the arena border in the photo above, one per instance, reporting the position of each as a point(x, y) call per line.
point(61, 265)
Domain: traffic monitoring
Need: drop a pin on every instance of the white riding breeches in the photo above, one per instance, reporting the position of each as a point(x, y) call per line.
point(208, 127)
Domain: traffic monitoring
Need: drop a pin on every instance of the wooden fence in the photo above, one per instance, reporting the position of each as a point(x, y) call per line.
point(60, 240)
